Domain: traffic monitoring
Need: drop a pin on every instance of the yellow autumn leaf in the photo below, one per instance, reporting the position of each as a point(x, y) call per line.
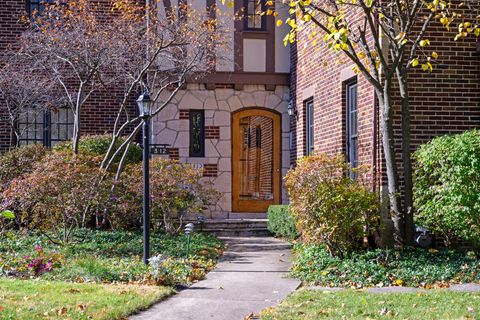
point(279, 23)
point(434, 55)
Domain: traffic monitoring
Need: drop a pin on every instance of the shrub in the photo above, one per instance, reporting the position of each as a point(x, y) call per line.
point(384, 267)
point(98, 146)
point(447, 186)
point(19, 161)
point(60, 194)
point(281, 222)
point(328, 206)
point(175, 189)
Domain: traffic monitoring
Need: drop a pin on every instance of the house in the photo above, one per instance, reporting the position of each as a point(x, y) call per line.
point(268, 105)
point(337, 109)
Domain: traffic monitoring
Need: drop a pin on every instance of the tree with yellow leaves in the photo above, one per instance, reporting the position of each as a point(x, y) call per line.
point(384, 39)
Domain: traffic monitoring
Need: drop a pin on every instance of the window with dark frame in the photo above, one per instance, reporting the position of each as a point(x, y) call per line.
point(197, 133)
point(351, 124)
point(36, 6)
point(309, 127)
point(254, 19)
point(46, 127)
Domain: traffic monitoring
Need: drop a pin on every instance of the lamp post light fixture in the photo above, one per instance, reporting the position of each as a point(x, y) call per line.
point(188, 231)
point(292, 110)
point(144, 104)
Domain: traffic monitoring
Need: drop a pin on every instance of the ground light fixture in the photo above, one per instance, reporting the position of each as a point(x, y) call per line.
point(144, 103)
point(188, 231)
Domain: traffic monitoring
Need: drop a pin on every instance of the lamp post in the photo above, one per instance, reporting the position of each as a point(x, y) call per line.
point(145, 110)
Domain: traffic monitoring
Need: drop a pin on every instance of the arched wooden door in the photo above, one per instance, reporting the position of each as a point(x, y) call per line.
point(256, 158)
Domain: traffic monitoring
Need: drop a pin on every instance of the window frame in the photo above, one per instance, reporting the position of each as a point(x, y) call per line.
point(351, 114)
point(192, 152)
point(246, 14)
point(309, 109)
point(44, 135)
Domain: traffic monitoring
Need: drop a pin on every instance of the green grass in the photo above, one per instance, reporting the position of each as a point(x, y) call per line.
point(350, 304)
point(37, 299)
point(109, 256)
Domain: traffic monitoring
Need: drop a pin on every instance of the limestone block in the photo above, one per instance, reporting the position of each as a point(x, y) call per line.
point(247, 99)
point(224, 148)
point(210, 103)
point(168, 113)
point(223, 105)
point(183, 153)
point(282, 107)
point(285, 159)
point(209, 114)
point(285, 122)
point(221, 118)
point(210, 150)
point(223, 182)
point(225, 133)
point(177, 125)
point(223, 94)
point(251, 88)
point(234, 103)
point(225, 164)
point(167, 136)
point(259, 97)
point(272, 101)
point(182, 140)
point(225, 202)
point(189, 101)
point(157, 126)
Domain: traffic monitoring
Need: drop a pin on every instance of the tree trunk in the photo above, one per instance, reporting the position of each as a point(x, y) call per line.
point(388, 143)
point(76, 132)
point(406, 156)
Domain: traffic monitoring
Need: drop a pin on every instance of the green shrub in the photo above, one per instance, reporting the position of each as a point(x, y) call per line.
point(175, 189)
point(447, 186)
point(98, 145)
point(384, 267)
point(328, 206)
point(281, 222)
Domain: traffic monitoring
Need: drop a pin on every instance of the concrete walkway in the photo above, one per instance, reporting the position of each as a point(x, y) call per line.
point(250, 277)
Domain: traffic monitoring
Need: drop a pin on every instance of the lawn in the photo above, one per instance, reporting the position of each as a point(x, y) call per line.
point(98, 276)
point(351, 304)
point(38, 299)
point(107, 256)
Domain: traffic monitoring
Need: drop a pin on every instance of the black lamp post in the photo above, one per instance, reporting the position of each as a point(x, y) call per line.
point(145, 109)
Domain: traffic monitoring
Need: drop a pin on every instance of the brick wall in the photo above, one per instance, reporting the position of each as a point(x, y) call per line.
point(98, 115)
point(442, 102)
point(320, 74)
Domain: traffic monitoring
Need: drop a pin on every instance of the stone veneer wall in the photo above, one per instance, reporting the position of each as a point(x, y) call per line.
point(171, 126)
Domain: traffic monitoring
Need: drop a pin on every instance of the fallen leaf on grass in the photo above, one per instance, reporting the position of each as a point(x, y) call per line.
point(2, 308)
point(470, 309)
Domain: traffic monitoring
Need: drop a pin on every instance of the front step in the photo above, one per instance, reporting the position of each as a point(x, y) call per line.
point(235, 227)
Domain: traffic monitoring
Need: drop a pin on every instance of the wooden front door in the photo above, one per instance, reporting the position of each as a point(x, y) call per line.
point(256, 138)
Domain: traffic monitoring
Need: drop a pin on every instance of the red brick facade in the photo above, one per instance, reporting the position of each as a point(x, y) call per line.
point(444, 101)
point(98, 114)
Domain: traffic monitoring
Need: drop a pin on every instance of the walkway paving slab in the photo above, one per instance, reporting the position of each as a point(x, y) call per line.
point(251, 276)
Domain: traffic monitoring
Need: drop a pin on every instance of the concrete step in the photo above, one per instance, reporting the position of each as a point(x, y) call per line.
point(234, 227)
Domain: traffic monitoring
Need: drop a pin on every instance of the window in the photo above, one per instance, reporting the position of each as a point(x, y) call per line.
point(254, 20)
point(309, 127)
point(46, 127)
point(35, 6)
point(351, 124)
point(197, 133)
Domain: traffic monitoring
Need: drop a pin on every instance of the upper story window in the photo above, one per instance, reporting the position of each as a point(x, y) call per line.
point(351, 123)
point(197, 133)
point(254, 19)
point(309, 127)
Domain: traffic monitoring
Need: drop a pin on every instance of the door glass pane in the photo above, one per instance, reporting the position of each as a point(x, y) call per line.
point(256, 158)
